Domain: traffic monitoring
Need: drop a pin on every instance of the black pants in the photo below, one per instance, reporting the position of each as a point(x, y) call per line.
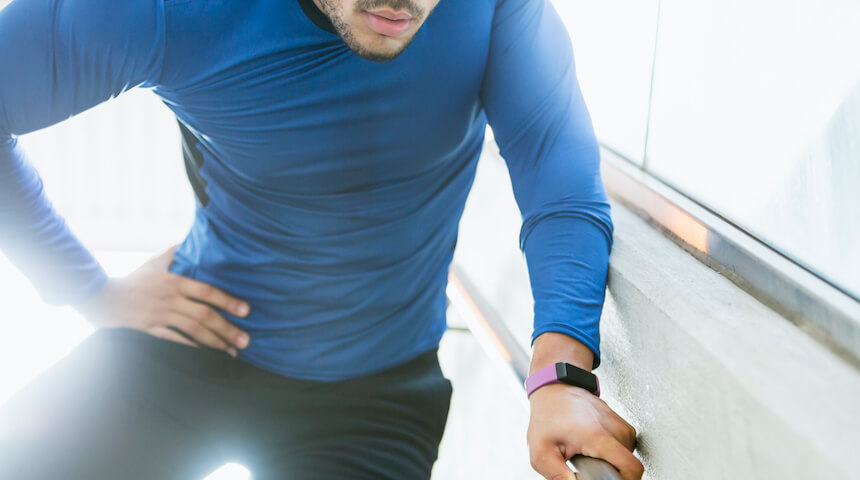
point(125, 405)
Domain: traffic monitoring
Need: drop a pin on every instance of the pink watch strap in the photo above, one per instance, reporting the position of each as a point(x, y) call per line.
point(549, 375)
point(544, 376)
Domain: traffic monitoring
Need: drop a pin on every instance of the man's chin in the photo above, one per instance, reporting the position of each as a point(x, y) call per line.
point(376, 56)
point(375, 47)
point(380, 54)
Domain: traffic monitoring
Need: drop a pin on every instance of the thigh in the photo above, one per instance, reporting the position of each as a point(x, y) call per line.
point(103, 412)
point(386, 426)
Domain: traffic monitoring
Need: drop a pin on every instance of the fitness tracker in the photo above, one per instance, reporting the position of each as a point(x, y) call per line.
point(563, 372)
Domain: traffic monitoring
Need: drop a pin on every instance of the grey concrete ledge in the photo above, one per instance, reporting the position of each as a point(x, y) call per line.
point(720, 386)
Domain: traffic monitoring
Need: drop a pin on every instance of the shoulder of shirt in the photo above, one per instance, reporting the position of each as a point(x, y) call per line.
point(107, 21)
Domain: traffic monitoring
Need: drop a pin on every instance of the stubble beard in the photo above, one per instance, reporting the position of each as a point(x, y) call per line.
point(343, 29)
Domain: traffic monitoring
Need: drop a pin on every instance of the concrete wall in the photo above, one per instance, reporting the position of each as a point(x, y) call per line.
point(719, 386)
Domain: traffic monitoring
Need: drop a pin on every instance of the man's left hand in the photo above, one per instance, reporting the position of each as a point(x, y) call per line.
point(566, 421)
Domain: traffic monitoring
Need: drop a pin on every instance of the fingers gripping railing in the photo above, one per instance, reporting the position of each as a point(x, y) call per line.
point(589, 468)
point(501, 345)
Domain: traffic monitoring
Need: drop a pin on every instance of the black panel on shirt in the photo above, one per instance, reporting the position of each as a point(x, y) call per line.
point(193, 163)
point(316, 15)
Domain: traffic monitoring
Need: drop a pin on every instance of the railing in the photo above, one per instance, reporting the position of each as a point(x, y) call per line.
point(500, 344)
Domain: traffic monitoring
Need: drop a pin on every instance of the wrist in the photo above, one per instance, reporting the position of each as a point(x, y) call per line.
point(562, 373)
point(94, 306)
point(552, 347)
point(560, 389)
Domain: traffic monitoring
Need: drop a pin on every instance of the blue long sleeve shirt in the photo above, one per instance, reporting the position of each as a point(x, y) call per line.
point(330, 187)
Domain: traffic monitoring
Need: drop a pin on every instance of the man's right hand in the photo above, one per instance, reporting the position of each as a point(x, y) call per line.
point(156, 301)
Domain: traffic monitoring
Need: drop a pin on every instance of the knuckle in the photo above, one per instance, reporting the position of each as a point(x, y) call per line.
point(632, 435)
point(593, 434)
point(223, 327)
point(194, 329)
point(537, 459)
point(207, 291)
point(599, 441)
point(211, 315)
point(167, 295)
point(173, 282)
point(201, 312)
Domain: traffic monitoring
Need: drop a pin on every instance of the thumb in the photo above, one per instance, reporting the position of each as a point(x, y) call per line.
point(553, 466)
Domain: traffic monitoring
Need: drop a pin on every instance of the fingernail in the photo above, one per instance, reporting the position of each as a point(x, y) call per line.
point(242, 341)
point(232, 352)
point(243, 309)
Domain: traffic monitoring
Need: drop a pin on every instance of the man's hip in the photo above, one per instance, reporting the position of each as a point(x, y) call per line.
point(128, 405)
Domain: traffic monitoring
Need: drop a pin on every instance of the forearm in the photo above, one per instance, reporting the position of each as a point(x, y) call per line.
point(551, 347)
point(36, 239)
point(58, 59)
point(568, 258)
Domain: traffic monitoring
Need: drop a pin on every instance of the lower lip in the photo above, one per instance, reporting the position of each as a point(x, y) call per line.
point(384, 26)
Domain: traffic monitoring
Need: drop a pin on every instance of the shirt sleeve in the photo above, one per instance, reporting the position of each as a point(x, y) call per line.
point(59, 58)
point(540, 121)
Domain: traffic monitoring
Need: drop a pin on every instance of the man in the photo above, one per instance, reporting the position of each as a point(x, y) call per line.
point(331, 165)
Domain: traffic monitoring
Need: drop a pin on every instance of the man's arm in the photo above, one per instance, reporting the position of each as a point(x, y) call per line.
point(540, 121)
point(535, 107)
point(59, 58)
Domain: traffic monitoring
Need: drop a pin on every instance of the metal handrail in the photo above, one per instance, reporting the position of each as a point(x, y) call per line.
point(500, 344)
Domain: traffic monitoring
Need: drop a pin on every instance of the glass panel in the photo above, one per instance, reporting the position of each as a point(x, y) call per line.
point(614, 46)
point(756, 114)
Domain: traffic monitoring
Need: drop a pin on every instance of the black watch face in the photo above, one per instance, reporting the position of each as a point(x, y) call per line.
point(575, 376)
